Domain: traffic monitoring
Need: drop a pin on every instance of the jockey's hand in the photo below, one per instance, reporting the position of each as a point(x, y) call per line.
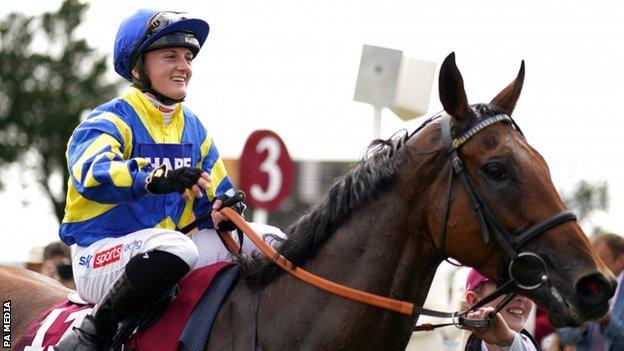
point(217, 217)
point(498, 334)
point(219, 220)
point(164, 181)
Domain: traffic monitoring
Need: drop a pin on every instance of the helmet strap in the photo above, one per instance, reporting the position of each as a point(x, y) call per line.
point(143, 83)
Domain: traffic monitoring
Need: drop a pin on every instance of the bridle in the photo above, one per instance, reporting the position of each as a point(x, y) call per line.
point(490, 226)
point(512, 244)
point(488, 222)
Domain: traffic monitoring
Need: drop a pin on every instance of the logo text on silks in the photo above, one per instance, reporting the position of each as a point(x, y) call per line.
point(174, 156)
point(110, 255)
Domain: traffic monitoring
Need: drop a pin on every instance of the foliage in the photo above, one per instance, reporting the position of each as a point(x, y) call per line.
point(48, 80)
point(587, 197)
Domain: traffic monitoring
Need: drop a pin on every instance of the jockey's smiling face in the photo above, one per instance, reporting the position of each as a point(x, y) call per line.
point(169, 70)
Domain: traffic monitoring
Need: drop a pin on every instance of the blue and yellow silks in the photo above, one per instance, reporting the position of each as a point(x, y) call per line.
point(109, 156)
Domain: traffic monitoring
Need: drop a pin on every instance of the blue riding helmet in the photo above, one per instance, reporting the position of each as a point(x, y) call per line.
point(149, 30)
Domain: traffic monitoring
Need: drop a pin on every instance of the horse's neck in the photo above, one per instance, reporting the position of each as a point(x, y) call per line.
point(378, 254)
point(29, 294)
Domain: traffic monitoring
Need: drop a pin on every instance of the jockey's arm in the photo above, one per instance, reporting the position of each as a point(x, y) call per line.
point(100, 167)
point(102, 170)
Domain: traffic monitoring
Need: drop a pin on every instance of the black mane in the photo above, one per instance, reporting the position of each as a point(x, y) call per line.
point(374, 174)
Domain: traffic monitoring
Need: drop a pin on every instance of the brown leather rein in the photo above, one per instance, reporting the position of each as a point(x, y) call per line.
point(403, 307)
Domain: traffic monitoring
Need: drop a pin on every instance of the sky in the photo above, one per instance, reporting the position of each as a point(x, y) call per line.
point(291, 66)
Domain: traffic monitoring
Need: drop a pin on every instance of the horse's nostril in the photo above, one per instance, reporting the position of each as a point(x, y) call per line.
point(594, 288)
point(590, 287)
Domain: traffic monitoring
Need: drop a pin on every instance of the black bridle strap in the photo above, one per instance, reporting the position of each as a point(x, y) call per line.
point(490, 223)
point(543, 226)
point(446, 140)
point(457, 168)
point(477, 205)
point(502, 290)
point(463, 321)
point(447, 208)
point(485, 217)
point(487, 322)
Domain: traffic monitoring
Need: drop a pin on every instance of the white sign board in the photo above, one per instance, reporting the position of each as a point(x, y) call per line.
point(388, 79)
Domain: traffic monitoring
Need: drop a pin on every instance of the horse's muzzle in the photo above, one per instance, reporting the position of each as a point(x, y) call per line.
point(594, 291)
point(588, 299)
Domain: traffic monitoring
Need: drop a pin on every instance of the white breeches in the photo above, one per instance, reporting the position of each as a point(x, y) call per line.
point(97, 266)
point(211, 249)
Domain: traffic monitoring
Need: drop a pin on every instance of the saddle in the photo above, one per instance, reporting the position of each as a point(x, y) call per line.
point(181, 320)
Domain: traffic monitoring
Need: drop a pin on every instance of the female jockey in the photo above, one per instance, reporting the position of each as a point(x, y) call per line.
point(141, 166)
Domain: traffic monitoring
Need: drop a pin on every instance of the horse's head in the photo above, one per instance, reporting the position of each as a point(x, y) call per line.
point(501, 214)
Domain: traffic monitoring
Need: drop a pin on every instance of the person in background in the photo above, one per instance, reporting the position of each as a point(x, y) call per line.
point(34, 260)
point(606, 334)
point(56, 251)
point(507, 331)
point(57, 263)
point(64, 274)
point(54, 254)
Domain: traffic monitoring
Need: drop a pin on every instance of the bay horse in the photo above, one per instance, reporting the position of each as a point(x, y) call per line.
point(466, 185)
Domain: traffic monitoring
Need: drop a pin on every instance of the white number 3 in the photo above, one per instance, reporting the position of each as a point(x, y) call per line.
point(271, 168)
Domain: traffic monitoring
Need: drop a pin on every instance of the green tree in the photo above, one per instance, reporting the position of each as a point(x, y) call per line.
point(48, 80)
point(586, 198)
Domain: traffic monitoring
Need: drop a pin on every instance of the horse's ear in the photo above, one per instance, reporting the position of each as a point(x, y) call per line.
point(451, 90)
point(508, 97)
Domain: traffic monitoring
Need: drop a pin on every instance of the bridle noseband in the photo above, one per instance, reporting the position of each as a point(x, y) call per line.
point(489, 224)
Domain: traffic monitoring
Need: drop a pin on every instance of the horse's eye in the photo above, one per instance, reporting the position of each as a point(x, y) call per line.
point(495, 171)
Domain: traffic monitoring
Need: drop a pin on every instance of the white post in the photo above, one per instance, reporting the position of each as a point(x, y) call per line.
point(377, 122)
point(260, 215)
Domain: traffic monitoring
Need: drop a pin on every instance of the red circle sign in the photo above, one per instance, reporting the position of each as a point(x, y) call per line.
point(266, 170)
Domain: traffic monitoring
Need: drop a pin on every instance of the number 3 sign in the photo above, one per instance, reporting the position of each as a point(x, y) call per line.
point(266, 170)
